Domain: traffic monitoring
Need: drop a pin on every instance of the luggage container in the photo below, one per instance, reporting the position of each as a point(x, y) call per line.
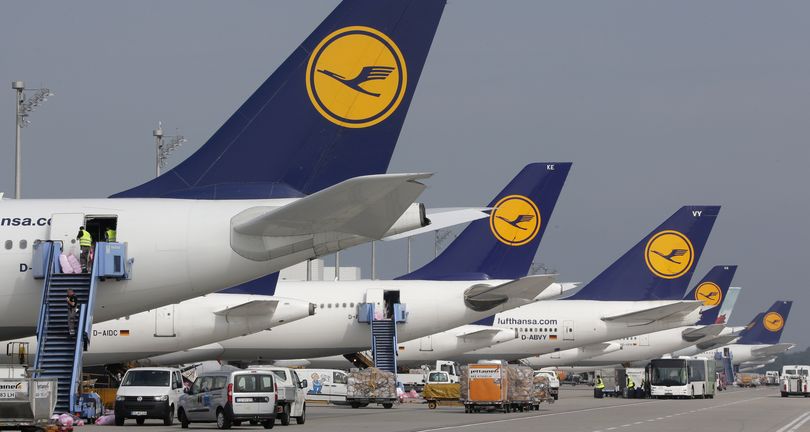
point(442, 394)
point(520, 388)
point(484, 386)
point(371, 386)
point(26, 403)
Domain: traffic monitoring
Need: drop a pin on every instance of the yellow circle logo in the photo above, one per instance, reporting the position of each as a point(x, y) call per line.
point(709, 293)
point(515, 220)
point(773, 321)
point(356, 77)
point(669, 254)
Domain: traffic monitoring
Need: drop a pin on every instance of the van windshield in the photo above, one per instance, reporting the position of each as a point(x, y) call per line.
point(147, 378)
point(252, 383)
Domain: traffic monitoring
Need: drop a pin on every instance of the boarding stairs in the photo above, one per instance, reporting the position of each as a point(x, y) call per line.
point(59, 354)
point(383, 353)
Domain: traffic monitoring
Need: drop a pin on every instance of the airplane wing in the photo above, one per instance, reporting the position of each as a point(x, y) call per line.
point(484, 332)
point(695, 334)
point(366, 206)
point(771, 350)
point(249, 309)
point(482, 297)
point(673, 310)
point(441, 218)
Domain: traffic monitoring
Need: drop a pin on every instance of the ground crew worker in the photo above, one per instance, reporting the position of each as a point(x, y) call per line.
point(85, 243)
point(630, 384)
point(598, 387)
point(22, 354)
point(73, 310)
point(110, 235)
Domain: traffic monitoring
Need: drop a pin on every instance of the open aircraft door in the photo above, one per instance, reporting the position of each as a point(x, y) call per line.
point(164, 321)
point(65, 228)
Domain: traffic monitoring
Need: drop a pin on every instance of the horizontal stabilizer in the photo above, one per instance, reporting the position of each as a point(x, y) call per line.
point(646, 316)
point(365, 206)
point(771, 350)
point(442, 218)
point(482, 297)
point(481, 333)
point(249, 309)
point(696, 334)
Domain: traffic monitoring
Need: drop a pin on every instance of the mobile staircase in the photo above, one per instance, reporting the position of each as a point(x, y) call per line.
point(383, 337)
point(59, 354)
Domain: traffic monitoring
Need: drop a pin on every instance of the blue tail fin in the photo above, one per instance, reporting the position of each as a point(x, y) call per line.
point(767, 327)
point(712, 290)
point(503, 245)
point(333, 110)
point(660, 265)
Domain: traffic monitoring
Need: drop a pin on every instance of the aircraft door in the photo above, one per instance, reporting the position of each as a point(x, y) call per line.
point(64, 228)
point(164, 321)
point(375, 296)
point(568, 330)
point(426, 343)
point(644, 340)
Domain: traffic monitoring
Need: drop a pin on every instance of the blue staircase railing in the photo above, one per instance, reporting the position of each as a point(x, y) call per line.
point(52, 249)
point(84, 329)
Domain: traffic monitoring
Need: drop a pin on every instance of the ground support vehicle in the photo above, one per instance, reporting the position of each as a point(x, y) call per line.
point(436, 394)
point(148, 393)
point(683, 378)
point(26, 403)
point(553, 382)
point(371, 386)
point(772, 378)
point(228, 396)
point(794, 380)
point(291, 403)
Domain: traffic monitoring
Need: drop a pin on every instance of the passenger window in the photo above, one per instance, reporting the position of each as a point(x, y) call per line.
point(267, 383)
point(339, 378)
point(329, 305)
point(321, 305)
point(23, 244)
point(344, 305)
point(9, 244)
point(207, 383)
point(351, 304)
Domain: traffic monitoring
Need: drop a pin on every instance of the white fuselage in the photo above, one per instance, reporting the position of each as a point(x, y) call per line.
point(543, 327)
point(181, 250)
point(175, 327)
point(742, 353)
point(335, 329)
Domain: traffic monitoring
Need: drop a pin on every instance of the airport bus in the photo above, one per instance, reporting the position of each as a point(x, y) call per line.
point(682, 378)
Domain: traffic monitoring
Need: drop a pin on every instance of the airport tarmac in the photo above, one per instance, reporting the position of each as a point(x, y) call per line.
point(760, 409)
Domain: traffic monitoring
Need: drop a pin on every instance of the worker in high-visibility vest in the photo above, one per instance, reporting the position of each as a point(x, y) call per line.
point(85, 243)
point(630, 384)
point(110, 235)
point(599, 387)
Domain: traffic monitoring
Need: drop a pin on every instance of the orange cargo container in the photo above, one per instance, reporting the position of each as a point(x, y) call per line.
point(484, 386)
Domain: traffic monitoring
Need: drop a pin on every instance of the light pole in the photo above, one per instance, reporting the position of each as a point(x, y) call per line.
point(24, 106)
point(162, 150)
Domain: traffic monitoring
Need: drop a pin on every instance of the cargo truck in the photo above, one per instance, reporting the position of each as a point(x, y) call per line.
point(794, 380)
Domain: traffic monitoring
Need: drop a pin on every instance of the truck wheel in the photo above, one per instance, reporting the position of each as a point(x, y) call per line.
point(303, 417)
point(268, 424)
point(284, 416)
point(183, 419)
point(355, 405)
point(140, 421)
point(388, 405)
point(169, 419)
point(432, 405)
point(223, 421)
point(119, 421)
point(556, 396)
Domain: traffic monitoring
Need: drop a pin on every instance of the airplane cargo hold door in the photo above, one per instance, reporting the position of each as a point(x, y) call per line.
point(164, 321)
point(426, 343)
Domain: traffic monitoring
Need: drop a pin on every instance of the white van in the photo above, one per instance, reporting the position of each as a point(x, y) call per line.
point(148, 393)
point(229, 397)
point(291, 394)
point(326, 385)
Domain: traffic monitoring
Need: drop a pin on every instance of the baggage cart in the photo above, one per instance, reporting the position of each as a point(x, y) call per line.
point(442, 394)
point(371, 386)
point(26, 403)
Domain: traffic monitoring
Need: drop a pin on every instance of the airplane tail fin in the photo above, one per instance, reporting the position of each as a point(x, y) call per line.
point(712, 290)
point(767, 327)
point(503, 245)
point(660, 265)
point(332, 111)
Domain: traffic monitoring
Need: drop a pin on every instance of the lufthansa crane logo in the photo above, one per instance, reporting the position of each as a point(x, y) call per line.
point(356, 77)
point(669, 254)
point(773, 321)
point(709, 293)
point(515, 220)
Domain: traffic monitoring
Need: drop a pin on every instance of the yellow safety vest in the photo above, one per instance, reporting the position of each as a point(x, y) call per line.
point(599, 383)
point(86, 239)
point(111, 235)
point(630, 383)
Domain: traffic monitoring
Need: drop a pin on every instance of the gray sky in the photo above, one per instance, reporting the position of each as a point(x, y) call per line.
point(658, 104)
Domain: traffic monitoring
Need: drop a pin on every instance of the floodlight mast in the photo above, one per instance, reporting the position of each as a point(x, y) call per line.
point(162, 150)
point(21, 109)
